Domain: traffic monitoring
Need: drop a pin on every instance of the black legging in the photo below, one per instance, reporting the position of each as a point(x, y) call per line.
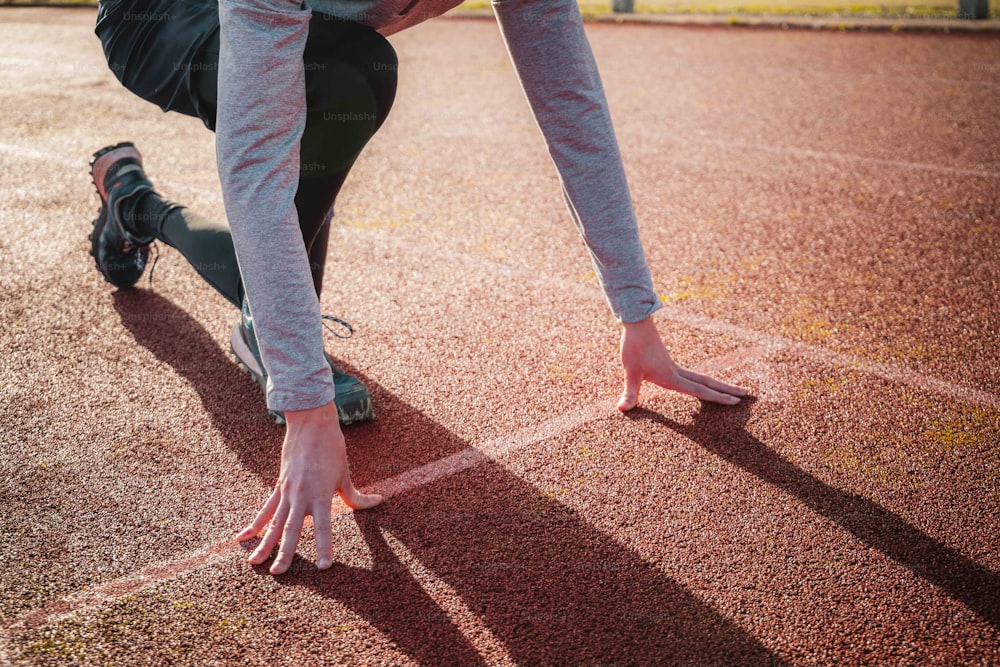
point(350, 73)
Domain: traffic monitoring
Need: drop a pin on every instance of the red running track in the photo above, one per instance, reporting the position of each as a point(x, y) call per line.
point(821, 213)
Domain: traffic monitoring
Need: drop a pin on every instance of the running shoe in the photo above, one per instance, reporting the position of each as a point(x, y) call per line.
point(119, 253)
point(353, 401)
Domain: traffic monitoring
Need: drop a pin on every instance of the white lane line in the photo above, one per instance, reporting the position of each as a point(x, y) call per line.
point(773, 343)
point(492, 450)
point(54, 159)
point(892, 372)
point(95, 596)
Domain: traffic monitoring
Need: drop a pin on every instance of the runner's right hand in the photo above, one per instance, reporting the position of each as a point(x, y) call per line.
point(313, 467)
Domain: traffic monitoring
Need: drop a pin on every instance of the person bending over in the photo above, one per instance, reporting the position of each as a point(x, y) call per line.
point(294, 92)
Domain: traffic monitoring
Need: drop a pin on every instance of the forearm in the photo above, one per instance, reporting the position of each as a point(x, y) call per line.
point(557, 70)
point(260, 118)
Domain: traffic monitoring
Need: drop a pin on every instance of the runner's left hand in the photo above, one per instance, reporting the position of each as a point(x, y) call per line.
point(645, 357)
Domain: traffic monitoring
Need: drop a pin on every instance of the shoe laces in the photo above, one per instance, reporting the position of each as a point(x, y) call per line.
point(156, 258)
point(342, 323)
point(324, 318)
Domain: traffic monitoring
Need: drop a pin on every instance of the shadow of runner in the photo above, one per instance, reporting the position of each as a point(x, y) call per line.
point(547, 585)
point(235, 403)
point(232, 401)
point(722, 431)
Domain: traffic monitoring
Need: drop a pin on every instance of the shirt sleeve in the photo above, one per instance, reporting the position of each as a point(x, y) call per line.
point(260, 119)
point(556, 68)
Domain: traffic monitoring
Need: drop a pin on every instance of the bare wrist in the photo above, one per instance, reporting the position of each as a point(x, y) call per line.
point(641, 324)
point(319, 415)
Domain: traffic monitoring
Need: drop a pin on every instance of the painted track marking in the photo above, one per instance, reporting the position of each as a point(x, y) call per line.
point(773, 343)
point(492, 450)
point(763, 345)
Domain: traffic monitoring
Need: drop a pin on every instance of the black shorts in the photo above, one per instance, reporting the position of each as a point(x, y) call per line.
point(167, 51)
point(157, 47)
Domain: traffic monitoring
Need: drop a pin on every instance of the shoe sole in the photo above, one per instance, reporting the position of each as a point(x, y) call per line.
point(98, 175)
point(351, 412)
point(95, 236)
point(101, 220)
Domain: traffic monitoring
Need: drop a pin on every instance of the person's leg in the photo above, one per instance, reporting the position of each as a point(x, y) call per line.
point(335, 52)
point(152, 47)
point(205, 243)
point(350, 84)
point(350, 87)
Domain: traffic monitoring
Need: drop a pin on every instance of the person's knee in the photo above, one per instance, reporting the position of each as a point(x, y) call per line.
point(351, 74)
point(383, 75)
point(342, 115)
point(369, 53)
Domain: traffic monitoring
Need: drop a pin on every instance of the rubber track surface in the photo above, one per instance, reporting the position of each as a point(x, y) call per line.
point(821, 212)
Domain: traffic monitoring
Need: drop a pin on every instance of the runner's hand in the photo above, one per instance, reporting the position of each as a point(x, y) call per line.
point(645, 357)
point(313, 467)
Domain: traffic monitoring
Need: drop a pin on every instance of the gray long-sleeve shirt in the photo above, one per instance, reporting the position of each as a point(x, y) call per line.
point(261, 116)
